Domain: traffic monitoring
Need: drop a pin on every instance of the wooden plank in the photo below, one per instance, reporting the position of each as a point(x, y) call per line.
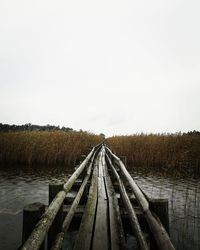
point(38, 235)
point(76, 201)
point(131, 212)
point(116, 229)
point(137, 192)
point(161, 236)
point(66, 223)
point(84, 237)
point(81, 208)
point(100, 238)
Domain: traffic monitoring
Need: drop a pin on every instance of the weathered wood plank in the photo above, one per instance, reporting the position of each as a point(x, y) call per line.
point(37, 236)
point(84, 237)
point(117, 240)
point(138, 193)
point(132, 215)
point(60, 237)
point(161, 236)
point(100, 238)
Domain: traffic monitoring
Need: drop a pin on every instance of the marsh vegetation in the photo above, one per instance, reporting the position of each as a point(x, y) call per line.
point(45, 148)
point(171, 153)
point(177, 154)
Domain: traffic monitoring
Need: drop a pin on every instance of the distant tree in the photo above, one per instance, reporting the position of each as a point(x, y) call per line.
point(31, 127)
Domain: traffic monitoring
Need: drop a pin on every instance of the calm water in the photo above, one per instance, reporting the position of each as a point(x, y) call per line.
point(184, 206)
point(19, 187)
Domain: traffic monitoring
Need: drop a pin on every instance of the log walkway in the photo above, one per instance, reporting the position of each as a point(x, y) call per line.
point(102, 206)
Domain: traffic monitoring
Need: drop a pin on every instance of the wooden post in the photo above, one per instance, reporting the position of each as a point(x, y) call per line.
point(160, 208)
point(157, 229)
point(131, 212)
point(31, 215)
point(56, 227)
point(39, 233)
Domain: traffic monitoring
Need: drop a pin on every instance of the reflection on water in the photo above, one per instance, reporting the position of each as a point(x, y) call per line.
point(184, 205)
point(19, 187)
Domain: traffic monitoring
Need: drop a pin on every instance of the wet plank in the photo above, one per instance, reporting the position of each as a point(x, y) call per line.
point(117, 240)
point(101, 239)
point(84, 237)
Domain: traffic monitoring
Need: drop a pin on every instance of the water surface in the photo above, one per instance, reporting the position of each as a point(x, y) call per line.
point(184, 205)
point(22, 186)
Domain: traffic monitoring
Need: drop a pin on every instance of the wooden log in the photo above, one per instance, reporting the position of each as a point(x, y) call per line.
point(159, 207)
point(79, 170)
point(54, 188)
point(84, 237)
point(124, 159)
point(161, 236)
point(123, 213)
point(138, 194)
point(37, 236)
point(31, 215)
point(60, 237)
point(117, 239)
point(132, 215)
point(58, 241)
point(73, 208)
point(100, 238)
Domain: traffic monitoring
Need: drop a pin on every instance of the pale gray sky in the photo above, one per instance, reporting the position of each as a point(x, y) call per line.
point(117, 67)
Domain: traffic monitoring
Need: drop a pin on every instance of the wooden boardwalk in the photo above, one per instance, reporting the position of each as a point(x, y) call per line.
point(104, 206)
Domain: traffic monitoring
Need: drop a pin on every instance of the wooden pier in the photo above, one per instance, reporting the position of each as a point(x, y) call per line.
point(103, 206)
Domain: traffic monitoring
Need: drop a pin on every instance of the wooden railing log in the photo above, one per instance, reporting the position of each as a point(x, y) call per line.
point(117, 238)
point(161, 236)
point(60, 237)
point(139, 195)
point(84, 238)
point(37, 236)
point(132, 215)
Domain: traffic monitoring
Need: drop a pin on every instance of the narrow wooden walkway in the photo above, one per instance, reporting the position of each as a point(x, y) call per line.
point(107, 203)
point(101, 219)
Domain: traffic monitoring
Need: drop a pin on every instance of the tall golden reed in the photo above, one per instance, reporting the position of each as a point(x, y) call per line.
point(173, 153)
point(48, 148)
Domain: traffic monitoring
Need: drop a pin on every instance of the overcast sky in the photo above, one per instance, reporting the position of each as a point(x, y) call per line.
point(113, 67)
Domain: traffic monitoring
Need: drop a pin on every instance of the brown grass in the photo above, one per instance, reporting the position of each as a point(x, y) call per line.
point(172, 153)
point(48, 148)
point(164, 153)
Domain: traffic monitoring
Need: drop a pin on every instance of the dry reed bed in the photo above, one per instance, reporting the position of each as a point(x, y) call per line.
point(48, 148)
point(167, 153)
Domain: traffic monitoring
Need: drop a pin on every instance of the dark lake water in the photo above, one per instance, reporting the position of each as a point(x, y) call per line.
point(21, 186)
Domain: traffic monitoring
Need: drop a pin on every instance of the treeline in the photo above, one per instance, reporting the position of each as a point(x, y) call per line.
point(173, 153)
point(32, 127)
point(45, 148)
